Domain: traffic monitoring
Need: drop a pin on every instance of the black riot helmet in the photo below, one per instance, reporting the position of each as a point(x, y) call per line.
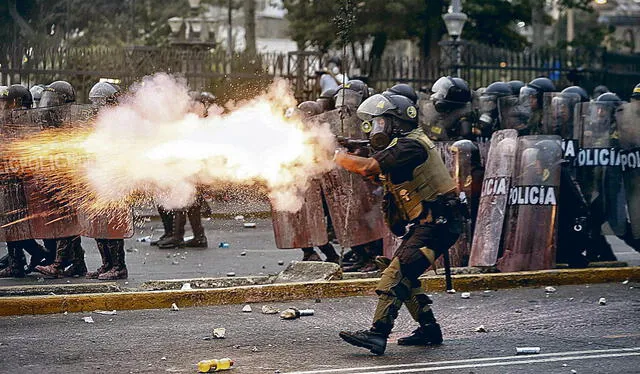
point(635, 95)
point(390, 116)
point(515, 85)
point(547, 157)
point(531, 94)
point(404, 90)
point(599, 90)
point(309, 108)
point(103, 93)
point(16, 97)
point(584, 96)
point(36, 93)
point(498, 89)
point(57, 93)
point(450, 93)
point(351, 94)
point(326, 99)
point(610, 99)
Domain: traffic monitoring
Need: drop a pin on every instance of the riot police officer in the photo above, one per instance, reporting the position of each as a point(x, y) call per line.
point(36, 93)
point(599, 90)
point(488, 120)
point(331, 76)
point(515, 85)
point(452, 117)
point(531, 95)
point(18, 97)
point(326, 100)
point(419, 191)
point(635, 95)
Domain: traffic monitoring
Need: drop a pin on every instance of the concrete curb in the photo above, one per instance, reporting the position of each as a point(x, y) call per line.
point(25, 305)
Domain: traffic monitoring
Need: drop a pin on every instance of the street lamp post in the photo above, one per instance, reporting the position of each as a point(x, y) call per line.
point(454, 20)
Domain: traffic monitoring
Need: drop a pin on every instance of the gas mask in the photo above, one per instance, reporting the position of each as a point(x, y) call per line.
point(381, 133)
point(488, 110)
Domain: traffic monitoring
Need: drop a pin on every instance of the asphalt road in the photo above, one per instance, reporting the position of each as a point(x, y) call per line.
point(575, 335)
point(145, 262)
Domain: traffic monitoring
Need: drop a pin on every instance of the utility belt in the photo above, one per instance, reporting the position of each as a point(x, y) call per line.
point(444, 209)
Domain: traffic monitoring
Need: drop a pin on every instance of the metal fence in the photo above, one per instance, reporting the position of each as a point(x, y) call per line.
point(239, 76)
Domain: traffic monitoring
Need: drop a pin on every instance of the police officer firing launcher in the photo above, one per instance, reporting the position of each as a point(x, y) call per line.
point(419, 194)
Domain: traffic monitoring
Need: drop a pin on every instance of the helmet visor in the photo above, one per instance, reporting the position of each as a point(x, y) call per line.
point(349, 98)
point(50, 98)
point(374, 106)
point(487, 103)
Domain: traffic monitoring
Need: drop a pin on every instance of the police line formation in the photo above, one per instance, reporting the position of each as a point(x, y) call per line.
point(514, 176)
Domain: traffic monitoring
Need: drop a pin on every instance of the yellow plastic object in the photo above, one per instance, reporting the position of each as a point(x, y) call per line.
point(209, 366)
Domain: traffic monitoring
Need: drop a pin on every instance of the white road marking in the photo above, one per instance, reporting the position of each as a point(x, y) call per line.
point(485, 361)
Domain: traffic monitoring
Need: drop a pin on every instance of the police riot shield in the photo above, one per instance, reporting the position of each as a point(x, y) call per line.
point(531, 224)
point(441, 126)
point(115, 222)
point(467, 174)
point(342, 123)
point(305, 228)
point(629, 130)
point(355, 206)
point(493, 198)
point(514, 114)
point(598, 164)
point(558, 109)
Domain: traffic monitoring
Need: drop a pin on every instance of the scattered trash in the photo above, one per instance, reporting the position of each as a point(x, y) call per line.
point(126, 283)
point(163, 358)
point(186, 287)
point(65, 313)
point(239, 218)
point(207, 338)
point(573, 371)
point(254, 349)
point(231, 274)
point(293, 313)
point(110, 319)
point(249, 225)
point(174, 307)
point(183, 258)
point(481, 328)
point(88, 319)
point(132, 250)
point(280, 262)
point(223, 245)
point(144, 239)
point(209, 366)
point(518, 311)
point(626, 282)
point(318, 301)
point(527, 350)
point(451, 290)
point(106, 312)
point(266, 309)
point(175, 262)
point(219, 332)
point(549, 289)
point(602, 301)
point(243, 253)
point(570, 299)
point(247, 308)
point(465, 295)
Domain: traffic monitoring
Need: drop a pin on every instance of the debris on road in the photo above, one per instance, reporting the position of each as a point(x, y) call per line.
point(266, 309)
point(453, 290)
point(527, 350)
point(132, 250)
point(186, 287)
point(239, 218)
point(144, 239)
point(163, 358)
point(175, 262)
point(106, 312)
point(549, 289)
point(243, 253)
point(88, 319)
point(465, 295)
point(280, 262)
point(293, 313)
point(219, 332)
point(255, 349)
point(247, 308)
point(174, 307)
point(209, 366)
point(223, 245)
point(231, 274)
point(626, 282)
point(602, 301)
point(481, 328)
point(249, 225)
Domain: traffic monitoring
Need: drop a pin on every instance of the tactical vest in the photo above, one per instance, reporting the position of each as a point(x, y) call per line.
point(430, 180)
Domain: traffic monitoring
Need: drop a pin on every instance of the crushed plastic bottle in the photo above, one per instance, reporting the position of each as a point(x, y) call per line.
point(209, 366)
point(223, 245)
point(293, 313)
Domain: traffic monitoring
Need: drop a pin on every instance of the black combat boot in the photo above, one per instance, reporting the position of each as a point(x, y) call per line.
point(119, 268)
point(177, 239)
point(195, 220)
point(374, 341)
point(105, 254)
point(428, 334)
point(15, 263)
point(78, 267)
point(39, 255)
point(167, 225)
point(64, 253)
point(330, 252)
